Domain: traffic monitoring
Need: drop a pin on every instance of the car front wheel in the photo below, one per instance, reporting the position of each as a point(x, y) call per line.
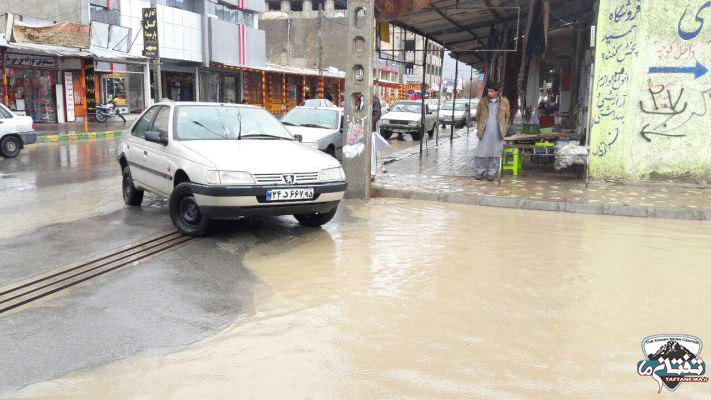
point(131, 196)
point(185, 213)
point(316, 219)
point(385, 134)
point(10, 147)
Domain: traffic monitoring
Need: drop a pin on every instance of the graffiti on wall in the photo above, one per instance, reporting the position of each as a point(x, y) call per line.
point(618, 51)
point(675, 101)
point(355, 135)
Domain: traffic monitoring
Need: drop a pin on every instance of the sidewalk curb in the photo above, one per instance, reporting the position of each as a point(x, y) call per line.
point(70, 137)
point(547, 205)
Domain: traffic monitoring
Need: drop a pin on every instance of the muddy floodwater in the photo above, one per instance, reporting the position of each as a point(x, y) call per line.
point(416, 300)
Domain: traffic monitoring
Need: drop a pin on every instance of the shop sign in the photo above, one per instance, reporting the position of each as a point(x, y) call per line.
point(22, 60)
point(69, 96)
point(89, 85)
point(67, 34)
point(150, 32)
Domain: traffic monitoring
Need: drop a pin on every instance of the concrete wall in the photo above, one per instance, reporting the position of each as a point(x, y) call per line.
point(60, 10)
point(298, 46)
point(651, 123)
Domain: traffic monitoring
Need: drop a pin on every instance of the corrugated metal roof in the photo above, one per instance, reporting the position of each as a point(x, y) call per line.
point(463, 26)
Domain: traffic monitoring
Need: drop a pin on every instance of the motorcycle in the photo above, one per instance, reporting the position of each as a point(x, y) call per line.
point(106, 111)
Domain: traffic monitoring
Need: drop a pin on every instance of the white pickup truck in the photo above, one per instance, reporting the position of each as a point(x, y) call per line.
point(15, 132)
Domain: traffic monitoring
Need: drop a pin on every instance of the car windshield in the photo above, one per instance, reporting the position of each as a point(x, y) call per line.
point(407, 107)
point(220, 122)
point(313, 118)
point(457, 106)
point(316, 103)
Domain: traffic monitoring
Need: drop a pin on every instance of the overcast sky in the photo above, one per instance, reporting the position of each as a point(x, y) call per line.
point(449, 66)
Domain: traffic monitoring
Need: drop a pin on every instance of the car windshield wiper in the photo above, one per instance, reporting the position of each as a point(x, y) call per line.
point(288, 123)
point(209, 130)
point(314, 126)
point(265, 136)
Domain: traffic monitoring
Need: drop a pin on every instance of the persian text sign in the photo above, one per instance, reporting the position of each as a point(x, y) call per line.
point(150, 32)
point(66, 34)
point(22, 60)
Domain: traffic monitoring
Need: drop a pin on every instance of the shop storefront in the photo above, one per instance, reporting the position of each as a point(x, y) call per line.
point(221, 86)
point(179, 86)
point(31, 81)
point(123, 83)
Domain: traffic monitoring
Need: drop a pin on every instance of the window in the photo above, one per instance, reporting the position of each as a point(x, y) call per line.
point(103, 14)
point(4, 113)
point(219, 122)
point(162, 122)
point(187, 5)
point(228, 14)
point(144, 123)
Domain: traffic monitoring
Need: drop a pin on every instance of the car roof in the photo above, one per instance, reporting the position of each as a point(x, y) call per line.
point(203, 103)
point(329, 108)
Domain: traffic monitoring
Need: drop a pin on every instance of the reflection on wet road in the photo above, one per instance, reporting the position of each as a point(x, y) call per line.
point(404, 299)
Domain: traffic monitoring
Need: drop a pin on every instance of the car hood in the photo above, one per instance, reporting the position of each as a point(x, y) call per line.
point(402, 116)
point(261, 156)
point(448, 111)
point(310, 135)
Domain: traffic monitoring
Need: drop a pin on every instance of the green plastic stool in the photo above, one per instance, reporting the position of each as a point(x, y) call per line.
point(512, 161)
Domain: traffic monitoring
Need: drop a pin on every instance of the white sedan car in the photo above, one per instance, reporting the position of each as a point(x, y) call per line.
point(224, 161)
point(317, 127)
point(15, 132)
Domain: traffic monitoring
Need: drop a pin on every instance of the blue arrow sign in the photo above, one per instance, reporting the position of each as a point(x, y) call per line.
point(698, 70)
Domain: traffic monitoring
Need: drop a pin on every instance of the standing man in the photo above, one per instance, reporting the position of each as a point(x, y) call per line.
point(493, 116)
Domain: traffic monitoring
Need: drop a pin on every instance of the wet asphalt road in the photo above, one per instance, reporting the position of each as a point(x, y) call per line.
point(62, 203)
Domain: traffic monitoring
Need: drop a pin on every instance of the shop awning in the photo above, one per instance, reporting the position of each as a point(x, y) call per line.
point(99, 53)
point(464, 26)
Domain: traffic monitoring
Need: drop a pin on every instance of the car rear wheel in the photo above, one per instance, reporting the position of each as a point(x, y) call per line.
point(185, 213)
point(416, 136)
point(316, 219)
point(10, 147)
point(385, 134)
point(131, 196)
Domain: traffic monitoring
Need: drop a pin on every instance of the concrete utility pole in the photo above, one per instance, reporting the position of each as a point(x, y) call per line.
point(158, 84)
point(359, 98)
point(319, 26)
point(423, 112)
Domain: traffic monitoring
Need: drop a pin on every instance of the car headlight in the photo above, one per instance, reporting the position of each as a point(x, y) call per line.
point(229, 178)
point(385, 121)
point(413, 123)
point(332, 174)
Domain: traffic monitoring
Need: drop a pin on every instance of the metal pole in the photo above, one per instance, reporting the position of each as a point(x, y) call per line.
point(86, 102)
point(158, 82)
point(471, 83)
point(588, 132)
point(454, 100)
point(5, 95)
point(442, 91)
point(422, 92)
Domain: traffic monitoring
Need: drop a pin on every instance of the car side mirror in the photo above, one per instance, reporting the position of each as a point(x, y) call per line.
point(155, 137)
point(299, 138)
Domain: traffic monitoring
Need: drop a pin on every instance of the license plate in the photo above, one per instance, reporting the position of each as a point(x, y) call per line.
point(290, 194)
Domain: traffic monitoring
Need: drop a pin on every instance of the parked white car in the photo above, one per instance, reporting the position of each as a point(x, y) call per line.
point(456, 114)
point(317, 127)
point(405, 117)
point(224, 161)
point(15, 132)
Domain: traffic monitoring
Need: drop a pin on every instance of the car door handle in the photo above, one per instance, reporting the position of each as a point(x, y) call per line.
point(145, 153)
